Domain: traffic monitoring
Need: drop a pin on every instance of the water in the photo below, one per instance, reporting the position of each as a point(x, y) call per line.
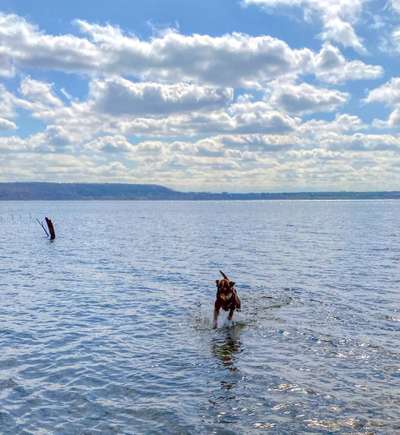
point(108, 329)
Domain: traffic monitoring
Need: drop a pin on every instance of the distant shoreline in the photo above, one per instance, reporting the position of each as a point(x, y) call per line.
point(36, 191)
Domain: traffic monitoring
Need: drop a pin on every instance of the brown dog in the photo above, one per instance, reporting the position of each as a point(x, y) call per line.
point(227, 298)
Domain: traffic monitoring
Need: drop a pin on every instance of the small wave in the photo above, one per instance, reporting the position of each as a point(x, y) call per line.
point(203, 320)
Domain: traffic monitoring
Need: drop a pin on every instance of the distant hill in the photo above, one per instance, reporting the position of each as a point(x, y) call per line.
point(78, 191)
point(88, 191)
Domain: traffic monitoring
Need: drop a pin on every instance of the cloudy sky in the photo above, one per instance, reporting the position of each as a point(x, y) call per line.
point(233, 95)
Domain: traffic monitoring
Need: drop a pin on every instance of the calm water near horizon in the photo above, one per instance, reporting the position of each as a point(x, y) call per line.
point(108, 328)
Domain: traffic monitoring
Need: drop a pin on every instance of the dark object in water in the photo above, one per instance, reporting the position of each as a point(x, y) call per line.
point(226, 298)
point(51, 232)
point(50, 226)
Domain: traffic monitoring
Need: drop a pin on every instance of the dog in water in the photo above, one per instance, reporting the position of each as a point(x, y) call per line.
point(227, 298)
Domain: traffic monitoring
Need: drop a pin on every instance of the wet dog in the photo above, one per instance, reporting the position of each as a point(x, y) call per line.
point(227, 298)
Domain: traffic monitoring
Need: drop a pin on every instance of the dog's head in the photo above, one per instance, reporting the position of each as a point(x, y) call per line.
point(224, 285)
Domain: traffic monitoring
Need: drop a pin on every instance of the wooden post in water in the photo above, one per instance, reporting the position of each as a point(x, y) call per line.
point(50, 226)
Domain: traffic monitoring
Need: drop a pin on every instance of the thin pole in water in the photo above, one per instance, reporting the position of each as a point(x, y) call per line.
point(44, 229)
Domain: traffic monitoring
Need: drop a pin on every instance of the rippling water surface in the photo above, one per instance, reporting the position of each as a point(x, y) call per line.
point(108, 329)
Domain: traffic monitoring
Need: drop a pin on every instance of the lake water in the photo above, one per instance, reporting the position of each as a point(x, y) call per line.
point(108, 328)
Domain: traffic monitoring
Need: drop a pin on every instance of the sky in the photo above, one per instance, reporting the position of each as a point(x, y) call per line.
point(217, 95)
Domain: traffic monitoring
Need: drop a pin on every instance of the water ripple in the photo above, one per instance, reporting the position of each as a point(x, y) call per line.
point(109, 328)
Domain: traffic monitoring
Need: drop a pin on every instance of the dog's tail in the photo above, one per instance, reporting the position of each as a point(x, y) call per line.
point(222, 273)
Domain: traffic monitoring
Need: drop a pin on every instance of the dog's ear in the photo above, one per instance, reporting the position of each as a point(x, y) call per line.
point(231, 284)
point(217, 282)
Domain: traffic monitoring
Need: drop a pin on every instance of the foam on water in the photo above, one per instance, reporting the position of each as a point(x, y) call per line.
point(203, 319)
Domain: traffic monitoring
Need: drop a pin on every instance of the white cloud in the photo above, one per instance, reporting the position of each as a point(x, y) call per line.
point(7, 125)
point(305, 99)
point(394, 118)
point(396, 5)
point(343, 123)
point(233, 59)
point(151, 108)
point(314, 156)
point(7, 103)
point(56, 137)
point(12, 144)
point(242, 118)
point(395, 38)
point(24, 44)
point(338, 17)
point(330, 66)
point(110, 144)
point(40, 93)
point(389, 95)
point(230, 60)
point(118, 96)
point(176, 94)
point(6, 65)
point(360, 142)
point(259, 118)
point(83, 121)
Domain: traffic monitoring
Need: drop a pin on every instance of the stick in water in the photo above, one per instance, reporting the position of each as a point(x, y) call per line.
point(44, 229)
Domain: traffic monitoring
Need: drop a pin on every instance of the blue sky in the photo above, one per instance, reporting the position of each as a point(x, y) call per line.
point(247, 95)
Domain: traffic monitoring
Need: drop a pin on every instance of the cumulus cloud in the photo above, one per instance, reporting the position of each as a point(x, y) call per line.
point(316, 154)
point(58, 167)
point(389, 95)
point(7, 103)
point(6, 65)
point(233, 59)
point(118, 96)
point(179, 96)
point(338, 17)
point(304, 98)
point(230, 60)
point(359, 142)
point(395, 39)
point(260, 143)
point(40, 93)
point(243, 118)
point(24, 44)
point(394, 118)
point(13, 145)
point(260, 117)
point(110, 144)
point(116, 105)
point(343, 123)
point(56, 137)
point(5, 124)
point(395, 5)
point(330, 66)
point(8, 109)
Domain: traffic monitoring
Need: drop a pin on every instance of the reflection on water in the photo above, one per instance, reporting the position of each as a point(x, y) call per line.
point(225, 346)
